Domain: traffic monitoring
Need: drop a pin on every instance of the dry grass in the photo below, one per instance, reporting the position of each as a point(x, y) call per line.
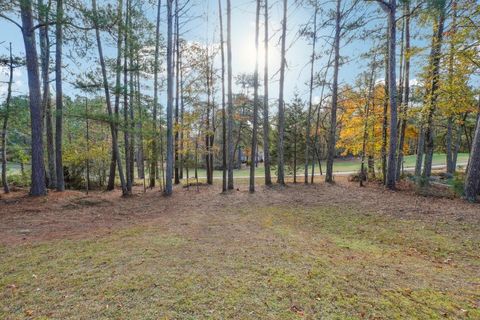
point(313, 252)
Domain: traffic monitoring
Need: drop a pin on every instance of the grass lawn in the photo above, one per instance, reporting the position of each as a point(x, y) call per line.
point(339, 166)
point(278, 254)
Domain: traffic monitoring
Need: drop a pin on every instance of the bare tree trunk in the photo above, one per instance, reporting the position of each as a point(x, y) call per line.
point(207, 126)
point(140, 149)
point(46, 100)
point(87, 138)
point(182, 114)
point(406, 91)
point(169, 170)
point(177, 92)
point(126, 122)
point(310, 98)
point(472, 179)
point(116, 150)
point(231, 151)
point(266, 122)
point(333, 112)
point(420, 151)
point(317, 125)
point(385, 121)
point(435, 57)
point(6, 188)
point(224, 120)
point(154, 151)
point(37, 187)
point(392, 95)
point(131, 111)
point(59, 98)
point(255, 102)
point(118, 90)
point(451, 167)
point(295, 152)
point(281, 102)
point(371, 87)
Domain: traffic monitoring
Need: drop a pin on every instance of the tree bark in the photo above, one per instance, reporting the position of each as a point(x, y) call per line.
point(37, 187)
point(169, 169)
point(392, 95)
point(472, 179)
point(406, 91)
point(281, 102)
point(126, 122)
point(231, 151)
point(266, 121)
point(333, 112)
point(154, 149)
point(310, 98)
point(116, 150)
point(118, 89)
point(255, 102)
point(46, 100)
point(6, 116)
point(59, 98)
point(177, 93)
point(435, 57)
point(140, 148)
point(385, 121)
point(224, 120)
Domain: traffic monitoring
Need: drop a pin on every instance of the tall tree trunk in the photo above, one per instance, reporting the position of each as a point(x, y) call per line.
point(317, 125)
point(46, 100)
point(207, 125)
point(435, 57)
point(131, 110)
point(140, 149)
point(255, 102)
point(371, 87)
point(472, 179)
point(224, 120)
point(87, 138)
point(37, 186)
point(182, 114)
point(281, 102)
point(392, 95)
point(177, 92)
point(113, 131)
point(231, 151)
point(126, 122)
point(451, 167)
point(59, 98)
point(154, 149)
point(295, 152)
point(6, 116)
point(169, 169)
point(385, 121)
point(310, 98)
point(266, 121)
point(118, 89)
point(406, 90)
point(420, 152)
point(333, 112)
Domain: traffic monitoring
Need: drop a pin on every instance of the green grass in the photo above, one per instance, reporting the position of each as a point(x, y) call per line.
point(252, 262)
point(338, 166)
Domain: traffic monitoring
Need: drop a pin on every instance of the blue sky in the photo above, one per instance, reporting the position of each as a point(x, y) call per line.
point(243, 26)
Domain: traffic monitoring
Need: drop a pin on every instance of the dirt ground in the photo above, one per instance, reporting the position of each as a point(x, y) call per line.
point(302, 251)
point(74, 214)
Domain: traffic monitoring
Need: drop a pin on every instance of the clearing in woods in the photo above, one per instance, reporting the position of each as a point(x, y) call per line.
point(323, 251)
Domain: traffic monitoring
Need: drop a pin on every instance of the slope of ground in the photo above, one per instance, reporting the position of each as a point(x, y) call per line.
point(322, 251)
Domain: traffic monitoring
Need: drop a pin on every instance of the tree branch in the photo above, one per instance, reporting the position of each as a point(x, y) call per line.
point(11, 20)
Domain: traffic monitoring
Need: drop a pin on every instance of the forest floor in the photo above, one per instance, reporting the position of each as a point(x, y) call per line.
point(323, 251)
